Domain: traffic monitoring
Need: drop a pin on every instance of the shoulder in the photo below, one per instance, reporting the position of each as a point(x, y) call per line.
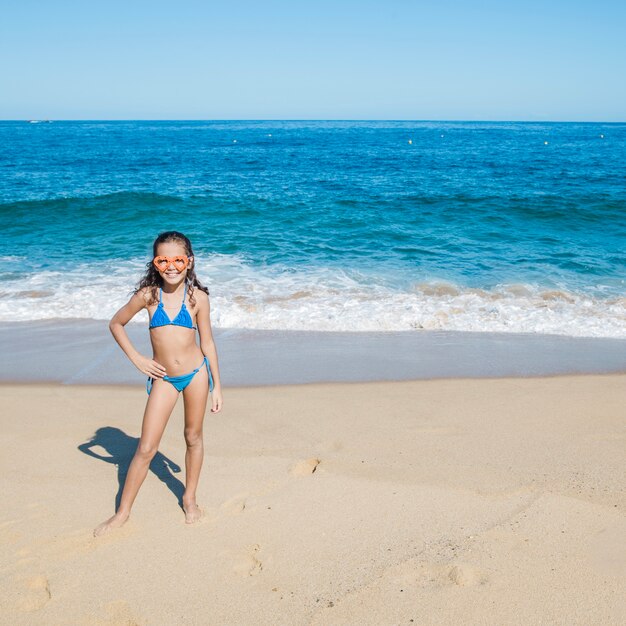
point(201, 297)
point(144, 295)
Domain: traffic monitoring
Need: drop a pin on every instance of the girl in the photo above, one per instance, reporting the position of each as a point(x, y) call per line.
point(174, 299)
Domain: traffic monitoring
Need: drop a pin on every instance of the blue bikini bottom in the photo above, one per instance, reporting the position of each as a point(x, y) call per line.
point(180, 382)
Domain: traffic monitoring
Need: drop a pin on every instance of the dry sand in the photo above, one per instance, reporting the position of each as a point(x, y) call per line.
point(485, 501)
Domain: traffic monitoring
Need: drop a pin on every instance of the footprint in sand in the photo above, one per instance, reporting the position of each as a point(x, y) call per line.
point(465, 575)
point(235, 505)
point(248, 563)
point(76, 543)
point(37, 594)
point(306, 467)
point(442, 574)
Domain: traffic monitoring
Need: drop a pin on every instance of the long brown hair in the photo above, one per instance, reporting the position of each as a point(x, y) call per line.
point(152, 278)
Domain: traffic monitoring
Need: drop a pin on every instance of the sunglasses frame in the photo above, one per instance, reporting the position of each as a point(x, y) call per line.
point(171, 260)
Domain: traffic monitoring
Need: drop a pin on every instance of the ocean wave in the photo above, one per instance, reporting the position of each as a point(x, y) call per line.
point(322, 299)
point(116, 200)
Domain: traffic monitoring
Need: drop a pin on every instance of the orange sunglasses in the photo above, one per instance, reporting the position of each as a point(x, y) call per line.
point(162, 263)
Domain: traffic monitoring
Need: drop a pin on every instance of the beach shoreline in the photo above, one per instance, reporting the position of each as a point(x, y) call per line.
point(77, 352)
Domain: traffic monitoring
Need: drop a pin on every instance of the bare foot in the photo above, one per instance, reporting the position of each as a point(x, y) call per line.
point(192, 512)
point(113, 522)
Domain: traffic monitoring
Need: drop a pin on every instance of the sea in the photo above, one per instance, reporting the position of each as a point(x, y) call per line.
point(324, 225)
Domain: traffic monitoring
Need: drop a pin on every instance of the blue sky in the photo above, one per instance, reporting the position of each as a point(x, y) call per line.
point(440, 60)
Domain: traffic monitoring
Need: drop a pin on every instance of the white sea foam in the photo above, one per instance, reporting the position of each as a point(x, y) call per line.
point(323, 299)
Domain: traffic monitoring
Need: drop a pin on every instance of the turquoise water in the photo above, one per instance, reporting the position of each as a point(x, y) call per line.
point(325, 225)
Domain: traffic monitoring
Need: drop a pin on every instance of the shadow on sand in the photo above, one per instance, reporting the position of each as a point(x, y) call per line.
point(121, 449)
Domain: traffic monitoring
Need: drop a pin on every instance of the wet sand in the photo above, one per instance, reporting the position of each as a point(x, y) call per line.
point(80, 352)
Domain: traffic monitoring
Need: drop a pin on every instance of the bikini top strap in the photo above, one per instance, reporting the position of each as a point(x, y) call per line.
point(184, 293)
point(161, 295)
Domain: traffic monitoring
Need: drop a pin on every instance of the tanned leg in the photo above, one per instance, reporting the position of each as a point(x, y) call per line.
point(195, 397)
point(158, 410)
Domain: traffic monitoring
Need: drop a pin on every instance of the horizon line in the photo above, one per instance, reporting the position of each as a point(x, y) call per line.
point(477, 121)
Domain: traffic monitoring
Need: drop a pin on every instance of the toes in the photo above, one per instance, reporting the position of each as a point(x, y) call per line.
point(101, 529)
point(192, 513)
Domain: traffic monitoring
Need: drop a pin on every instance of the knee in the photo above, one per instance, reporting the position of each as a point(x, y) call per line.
point(146, 451)
point(193, 437)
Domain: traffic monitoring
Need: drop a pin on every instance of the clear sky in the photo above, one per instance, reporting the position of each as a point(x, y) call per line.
point(328, 59)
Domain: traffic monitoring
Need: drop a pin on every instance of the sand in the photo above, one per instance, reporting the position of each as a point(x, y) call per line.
point(456, 501)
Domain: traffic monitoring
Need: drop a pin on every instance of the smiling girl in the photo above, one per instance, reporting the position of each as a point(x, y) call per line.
point(178, 305)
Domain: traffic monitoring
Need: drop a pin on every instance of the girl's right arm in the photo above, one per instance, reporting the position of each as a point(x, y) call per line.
point(143, 363)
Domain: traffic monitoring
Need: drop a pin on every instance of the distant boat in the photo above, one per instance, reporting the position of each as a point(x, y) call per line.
point(40, 121)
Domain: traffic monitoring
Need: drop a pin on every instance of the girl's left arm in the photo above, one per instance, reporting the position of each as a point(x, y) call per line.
point(207, 345)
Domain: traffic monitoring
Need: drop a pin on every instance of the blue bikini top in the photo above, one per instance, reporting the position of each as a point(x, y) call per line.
point(161, 318)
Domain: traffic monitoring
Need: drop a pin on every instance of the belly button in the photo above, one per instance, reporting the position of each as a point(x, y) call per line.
point(176, 362)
